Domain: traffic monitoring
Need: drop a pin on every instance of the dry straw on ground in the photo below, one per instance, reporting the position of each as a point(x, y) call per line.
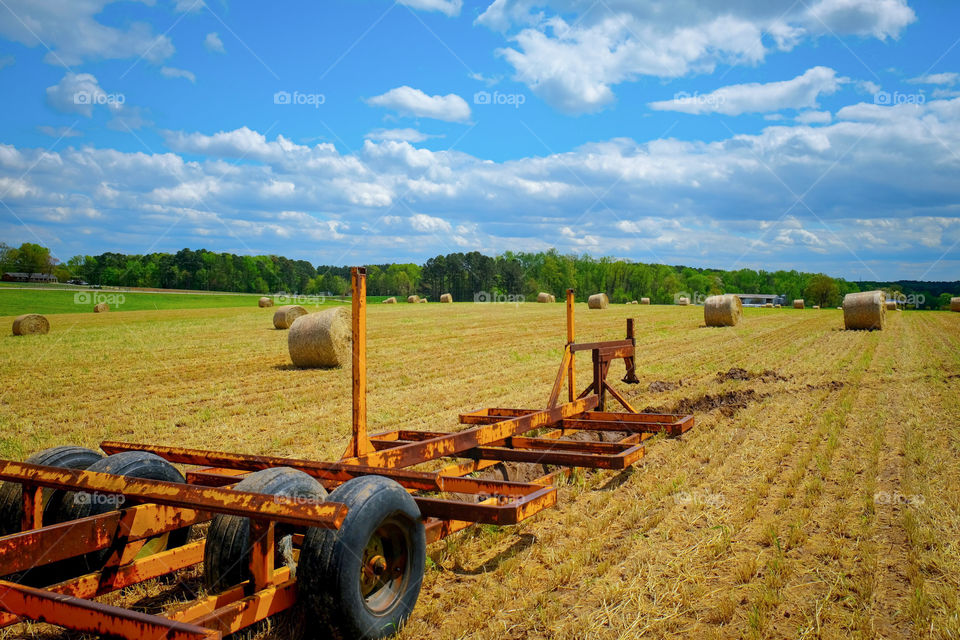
point(722, 311)
point(866, 310)
point(446, 297)
point(598, 301)
point(30, 324)
point(413, 299)
point(954, 304)
point(644, 300)
point(798, 304)
point(265, 302)
point(543, 297)
point(390, 300)
point(321, 339)
point(101, 307)
point(284, 316)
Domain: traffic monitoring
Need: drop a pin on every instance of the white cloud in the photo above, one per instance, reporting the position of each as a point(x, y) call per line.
point(400, 135)
point(80, 93)
point(447, 7)
point(429, 224)
point(797, 93)
point(572, 54)
point(188, 6)
point(213, 43)
point(948, 78)
point(173, 72)
point(413, 102)
point(59, 132)
point(74, 35)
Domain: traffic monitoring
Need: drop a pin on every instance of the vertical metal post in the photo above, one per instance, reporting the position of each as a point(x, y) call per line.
point(360, 444)
point(32, 507)
point(631, 377)
point(571, 374)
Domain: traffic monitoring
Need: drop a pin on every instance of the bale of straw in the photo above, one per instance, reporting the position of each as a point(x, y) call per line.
point(543, 296)
point(390, 300)
point(634, 302)
point(284, 316)
point(891, 305)
point(101, 307)
point(446, 297)
point(321, 339)
point(265, 302)
point(553, 298)
point(422, 301)
point(414, 299)
point(776, 306)
point(839, 308)
point(722, 311)
point(769, 305)
point(954, 304)
point(598, 301)
point(816, 306)
point(683, 301)
point(30, 324)
point(644, 300)
point(798, 304)
point(866, 310)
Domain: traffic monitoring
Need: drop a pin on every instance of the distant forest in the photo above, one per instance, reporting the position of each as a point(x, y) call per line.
point(467, 276)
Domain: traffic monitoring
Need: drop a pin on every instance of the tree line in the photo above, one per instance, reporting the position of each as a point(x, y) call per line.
point(466, 276)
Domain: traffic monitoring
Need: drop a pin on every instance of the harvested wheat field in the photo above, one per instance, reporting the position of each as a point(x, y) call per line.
point(817, 496)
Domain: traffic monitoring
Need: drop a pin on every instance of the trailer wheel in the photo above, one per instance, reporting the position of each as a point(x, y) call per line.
point(363, 579)
point(11, 493)
point(226, 554)
point(131, 464)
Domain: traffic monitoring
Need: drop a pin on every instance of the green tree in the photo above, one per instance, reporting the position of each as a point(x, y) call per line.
point(32, 258)
point(822, 290)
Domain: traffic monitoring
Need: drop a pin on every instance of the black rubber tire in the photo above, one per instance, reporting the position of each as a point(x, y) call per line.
point(225, 556)
point(329, 581)
point(131, 464)
point(11, 493)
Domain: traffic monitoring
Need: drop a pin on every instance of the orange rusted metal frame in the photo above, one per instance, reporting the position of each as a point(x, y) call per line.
point(359, 444)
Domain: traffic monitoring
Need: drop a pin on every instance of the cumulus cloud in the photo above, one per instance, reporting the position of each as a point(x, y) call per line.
point(573, 54)
point(73, 34)
point(874, 175)
point(173, 72)
point(798, 93)
point(447, 7)
point(948, 78)
point(413, 102)
point(80, 93)
point(400, 135)
point(213, 43)
point(59, 132)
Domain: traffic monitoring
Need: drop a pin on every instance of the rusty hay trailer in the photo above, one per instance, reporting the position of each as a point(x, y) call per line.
point(346, 539)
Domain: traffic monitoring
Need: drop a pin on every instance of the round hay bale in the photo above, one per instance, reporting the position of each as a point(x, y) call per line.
point(30, 324)
point(543, 296)
point(722, 311)
point(644, 300)
point(553, 298)
point(390, 300)
point(776, 306)
point(816, 306)
point(798, 304)
point(265, 302)
point(683, 301)
point(446, 297)
point(321, 339)
point(422, 301)
point(101, 307)
point(414, 299)
point(769, 305)
point(634, 302)
point(891, 305)
point(866, 310)
point(284, 316)
point(954, 304)
point(598, 301)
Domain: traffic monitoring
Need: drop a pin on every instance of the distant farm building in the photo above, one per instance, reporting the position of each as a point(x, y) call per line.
point(28, 277)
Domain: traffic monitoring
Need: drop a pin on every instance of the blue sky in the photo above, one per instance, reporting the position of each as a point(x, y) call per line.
point(819, 135)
